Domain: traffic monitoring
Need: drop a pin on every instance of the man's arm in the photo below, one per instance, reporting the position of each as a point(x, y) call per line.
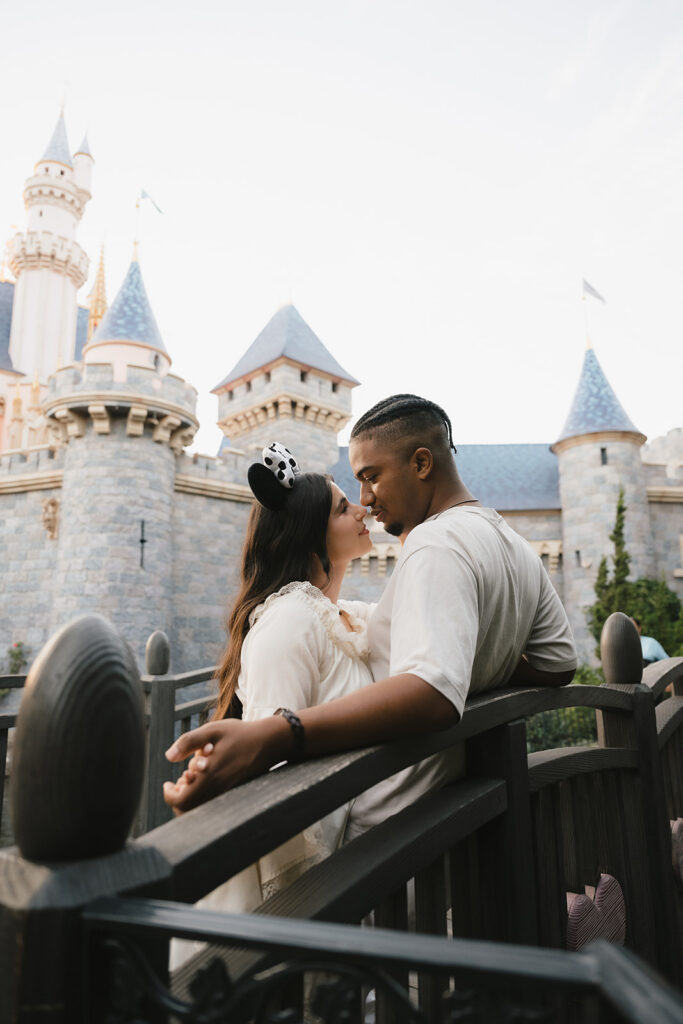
point(398, 706)
point(526, 675)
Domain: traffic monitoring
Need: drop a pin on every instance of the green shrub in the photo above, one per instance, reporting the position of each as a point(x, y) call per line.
point(565, 727)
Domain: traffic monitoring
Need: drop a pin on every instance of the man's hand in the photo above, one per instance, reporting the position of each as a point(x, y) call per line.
point(224, 754)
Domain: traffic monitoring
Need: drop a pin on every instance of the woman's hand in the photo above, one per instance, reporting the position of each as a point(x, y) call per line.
point(239, 751)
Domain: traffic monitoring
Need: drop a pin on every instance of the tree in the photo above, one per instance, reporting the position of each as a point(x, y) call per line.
point(656, 606)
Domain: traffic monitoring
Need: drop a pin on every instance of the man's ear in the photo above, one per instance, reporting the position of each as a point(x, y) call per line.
point(423, 461)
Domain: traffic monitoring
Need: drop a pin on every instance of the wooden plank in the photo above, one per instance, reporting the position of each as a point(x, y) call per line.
point(464, 885)
point(572, 875)
point(548, 767)
point(3, 767)
point(161, 701)
point(669, 719)
point(585, 813)
point(660, 882)
point(502, 752)
point(549, 871)
point(430, 919)
point(392, 912)
point(363, 873)
point(661, 674)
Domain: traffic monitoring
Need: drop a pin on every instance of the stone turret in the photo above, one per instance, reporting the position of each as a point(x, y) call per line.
point(122, 420)
point(599, 454)
point(47, 262)
point(287, 387)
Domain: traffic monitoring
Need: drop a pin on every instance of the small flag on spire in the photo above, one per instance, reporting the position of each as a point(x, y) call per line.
point(146, 195)
point(588, 289)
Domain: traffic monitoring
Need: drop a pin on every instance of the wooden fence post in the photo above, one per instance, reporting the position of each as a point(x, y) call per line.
point(76, 777)
point(160, 707)
point(507, 855)
point(648, 855)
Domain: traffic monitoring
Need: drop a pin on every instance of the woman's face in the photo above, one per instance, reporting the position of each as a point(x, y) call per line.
point(347, 535)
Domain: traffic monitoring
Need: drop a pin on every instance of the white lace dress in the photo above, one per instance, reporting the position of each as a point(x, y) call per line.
point(298, 653)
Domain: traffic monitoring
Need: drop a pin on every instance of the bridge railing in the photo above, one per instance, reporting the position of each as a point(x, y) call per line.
point(489, 858)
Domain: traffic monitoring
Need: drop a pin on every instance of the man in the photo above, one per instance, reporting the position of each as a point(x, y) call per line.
point(650, 648)
point(468, 608)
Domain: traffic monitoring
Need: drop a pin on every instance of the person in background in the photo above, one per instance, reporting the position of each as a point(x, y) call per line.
point(651, 649)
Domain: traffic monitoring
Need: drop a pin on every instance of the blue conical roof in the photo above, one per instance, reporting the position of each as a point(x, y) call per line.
point(130, 316)
point(84, 146)
point(58, 146)
point(287, 334)
point(595, 407)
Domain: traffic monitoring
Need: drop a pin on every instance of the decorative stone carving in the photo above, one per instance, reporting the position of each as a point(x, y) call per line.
point(75, 424)
point(51, 517)
point(100, 418)
point(135, 424)
point(164, 428)
point(181, 438)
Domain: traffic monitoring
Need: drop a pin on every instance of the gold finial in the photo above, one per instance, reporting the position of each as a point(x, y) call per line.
point(135, 251)
point(16, 403)
point(97, 299)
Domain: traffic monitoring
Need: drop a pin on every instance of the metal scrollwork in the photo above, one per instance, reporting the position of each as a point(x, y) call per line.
point(334, 994)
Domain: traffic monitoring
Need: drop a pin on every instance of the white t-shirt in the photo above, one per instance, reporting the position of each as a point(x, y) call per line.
point(467, 598)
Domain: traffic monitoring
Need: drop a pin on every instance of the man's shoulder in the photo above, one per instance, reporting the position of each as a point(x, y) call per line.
point(453, 527)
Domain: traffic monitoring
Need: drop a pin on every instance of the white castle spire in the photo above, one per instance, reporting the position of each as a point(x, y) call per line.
point(47, 262)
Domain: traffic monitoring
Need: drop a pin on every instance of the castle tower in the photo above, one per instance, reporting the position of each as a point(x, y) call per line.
point(599, 453)
point(287, 387)
point(47, 262)
point(97, 300)
point(123, 420)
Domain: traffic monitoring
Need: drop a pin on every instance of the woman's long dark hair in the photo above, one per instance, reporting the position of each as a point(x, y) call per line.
point(279, 548)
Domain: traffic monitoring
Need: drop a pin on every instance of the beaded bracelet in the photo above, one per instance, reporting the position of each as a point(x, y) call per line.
point(297, 731)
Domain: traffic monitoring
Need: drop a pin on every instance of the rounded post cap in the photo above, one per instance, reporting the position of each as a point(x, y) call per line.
point(620, 651)
point(157, 654)
point(79, 748)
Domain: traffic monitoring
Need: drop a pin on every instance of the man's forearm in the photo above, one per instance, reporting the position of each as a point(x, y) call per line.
point(526, 675)
point(399, 706)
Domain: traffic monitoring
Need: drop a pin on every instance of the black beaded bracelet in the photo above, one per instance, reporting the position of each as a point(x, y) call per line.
point(298, 733)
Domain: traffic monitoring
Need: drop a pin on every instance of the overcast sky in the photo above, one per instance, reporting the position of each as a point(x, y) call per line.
point(427, 182)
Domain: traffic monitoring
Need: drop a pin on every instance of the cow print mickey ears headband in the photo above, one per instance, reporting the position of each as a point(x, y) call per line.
point(272, 480)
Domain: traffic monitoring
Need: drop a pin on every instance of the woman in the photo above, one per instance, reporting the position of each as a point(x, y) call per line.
point(291, 642)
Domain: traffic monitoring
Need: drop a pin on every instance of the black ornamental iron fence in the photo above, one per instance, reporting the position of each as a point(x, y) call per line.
point(464, 895)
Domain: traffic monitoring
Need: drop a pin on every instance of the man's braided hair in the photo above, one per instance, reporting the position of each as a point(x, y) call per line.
point(413, 413)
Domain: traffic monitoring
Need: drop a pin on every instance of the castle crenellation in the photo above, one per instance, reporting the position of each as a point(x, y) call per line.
point(102, 508)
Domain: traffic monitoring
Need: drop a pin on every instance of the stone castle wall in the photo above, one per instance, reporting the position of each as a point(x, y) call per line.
point(588, 495)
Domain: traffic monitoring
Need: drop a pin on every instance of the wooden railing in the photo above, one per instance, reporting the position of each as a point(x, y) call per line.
point(482, 867)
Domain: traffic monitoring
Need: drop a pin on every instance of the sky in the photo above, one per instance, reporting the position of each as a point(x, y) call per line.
point(428, 182)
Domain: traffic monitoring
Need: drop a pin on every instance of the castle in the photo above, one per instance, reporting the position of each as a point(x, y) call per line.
point(101, 508)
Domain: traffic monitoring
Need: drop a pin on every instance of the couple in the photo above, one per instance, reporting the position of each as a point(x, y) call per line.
point(468, 608)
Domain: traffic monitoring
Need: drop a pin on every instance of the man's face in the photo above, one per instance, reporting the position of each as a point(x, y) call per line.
point(388, 484)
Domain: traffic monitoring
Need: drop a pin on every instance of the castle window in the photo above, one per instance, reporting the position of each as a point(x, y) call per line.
point(157, 360)
point(40, 213)
point(334, 385)
point(231, 395)
point(302, 376)
point(248, 385)
point(62, 172)
point(267, 376)
point(577, 555)
point(603, 456)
